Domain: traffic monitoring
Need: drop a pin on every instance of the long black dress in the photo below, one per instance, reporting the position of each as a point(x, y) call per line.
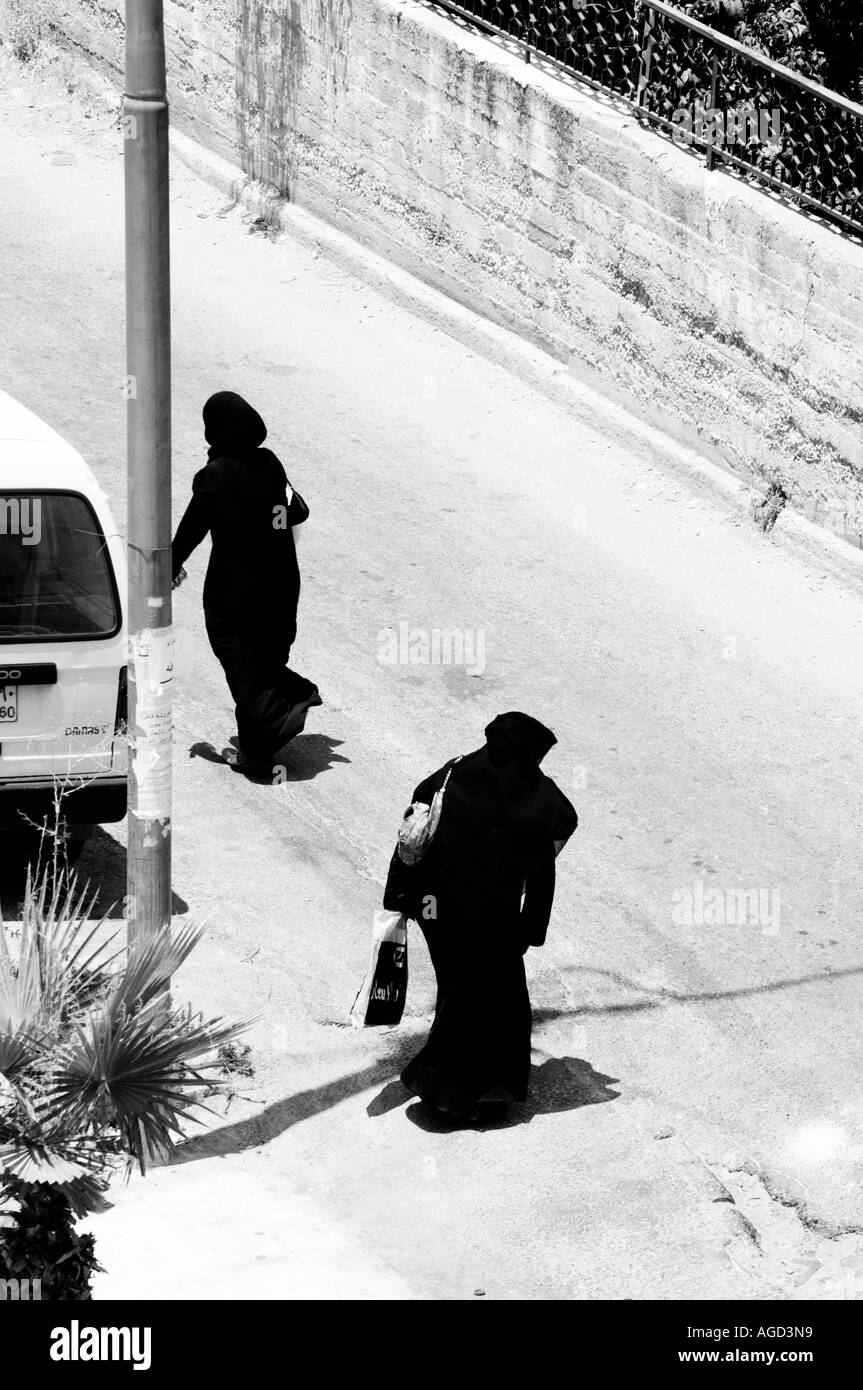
point(502, 824)
point(252, 587)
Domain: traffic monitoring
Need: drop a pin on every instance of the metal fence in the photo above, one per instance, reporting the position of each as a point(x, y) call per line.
point(706, 91)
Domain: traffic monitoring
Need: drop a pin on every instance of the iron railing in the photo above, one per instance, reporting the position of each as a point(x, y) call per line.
point(705, 90)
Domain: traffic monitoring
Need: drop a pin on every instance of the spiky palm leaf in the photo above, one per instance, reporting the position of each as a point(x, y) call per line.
point(152, 963)
point(135, 1071)
point(59, 960)
point(19, 1054)
point(84, 1194)
point(35, 1154)
point(62, 1163)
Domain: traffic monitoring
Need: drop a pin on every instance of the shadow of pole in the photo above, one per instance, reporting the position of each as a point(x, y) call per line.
point(658, 998)
point(277, 1118)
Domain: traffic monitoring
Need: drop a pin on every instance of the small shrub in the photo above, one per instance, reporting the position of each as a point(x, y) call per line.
point(235, 1059)
point(25, 25)
point(765, 510)
point(41, 1242)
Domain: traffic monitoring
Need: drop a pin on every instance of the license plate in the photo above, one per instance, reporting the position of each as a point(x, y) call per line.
point(8, 704)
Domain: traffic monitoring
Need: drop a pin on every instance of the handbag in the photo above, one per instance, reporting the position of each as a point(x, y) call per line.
point(419, 824)
point(381, 998)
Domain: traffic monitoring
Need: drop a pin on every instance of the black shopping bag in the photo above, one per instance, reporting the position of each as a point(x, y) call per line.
point(381, 999)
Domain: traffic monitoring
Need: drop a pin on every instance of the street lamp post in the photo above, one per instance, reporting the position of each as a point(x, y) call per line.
point(148, 394)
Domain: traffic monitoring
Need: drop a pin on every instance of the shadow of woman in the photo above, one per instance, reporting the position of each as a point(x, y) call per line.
point(301, 760)
point(307, 755)
point(556, 1085)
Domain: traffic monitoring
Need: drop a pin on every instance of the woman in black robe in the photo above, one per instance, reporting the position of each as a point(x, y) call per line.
point(243, 498)
point(482, 894)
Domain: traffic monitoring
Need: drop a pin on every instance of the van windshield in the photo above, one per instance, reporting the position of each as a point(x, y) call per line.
point(56, 579)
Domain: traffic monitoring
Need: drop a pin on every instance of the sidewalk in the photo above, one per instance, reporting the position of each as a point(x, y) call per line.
point(226, 1228)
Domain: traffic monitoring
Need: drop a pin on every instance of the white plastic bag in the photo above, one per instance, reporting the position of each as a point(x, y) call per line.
point(381, 999)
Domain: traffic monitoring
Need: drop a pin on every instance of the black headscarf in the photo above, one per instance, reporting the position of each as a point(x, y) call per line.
point(231, 426)
point(518, 738)
point(503, 820)
point(498, 795)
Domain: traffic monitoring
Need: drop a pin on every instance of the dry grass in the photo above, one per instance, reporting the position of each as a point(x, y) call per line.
point(26, 25)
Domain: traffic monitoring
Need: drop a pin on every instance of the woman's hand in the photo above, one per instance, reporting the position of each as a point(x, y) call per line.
point(536, 907)
point(178, 578)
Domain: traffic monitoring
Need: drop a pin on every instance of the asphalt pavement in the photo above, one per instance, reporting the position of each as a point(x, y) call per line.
point(694, 1127)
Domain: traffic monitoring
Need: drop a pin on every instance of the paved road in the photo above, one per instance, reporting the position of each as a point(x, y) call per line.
point(705, 685)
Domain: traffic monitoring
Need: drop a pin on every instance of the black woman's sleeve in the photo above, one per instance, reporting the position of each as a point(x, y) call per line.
point(537, 905)
point(191, 531)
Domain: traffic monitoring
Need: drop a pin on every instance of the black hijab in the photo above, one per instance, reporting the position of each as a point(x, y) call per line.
point(232, 427)
point(518, 738)
point(498, 796)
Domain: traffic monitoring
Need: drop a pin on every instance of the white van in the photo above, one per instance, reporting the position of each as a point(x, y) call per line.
point(62, 634)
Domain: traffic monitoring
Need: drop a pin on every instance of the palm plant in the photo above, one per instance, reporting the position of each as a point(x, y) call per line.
point(96, 1068)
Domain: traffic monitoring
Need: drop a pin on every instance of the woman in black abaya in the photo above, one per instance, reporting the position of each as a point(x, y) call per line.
point(482, 894)
point(243, 498)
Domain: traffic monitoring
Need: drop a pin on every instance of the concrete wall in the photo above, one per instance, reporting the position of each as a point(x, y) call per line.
point(544, 207)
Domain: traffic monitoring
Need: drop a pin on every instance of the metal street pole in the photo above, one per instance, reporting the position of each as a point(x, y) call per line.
point(148, 393)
